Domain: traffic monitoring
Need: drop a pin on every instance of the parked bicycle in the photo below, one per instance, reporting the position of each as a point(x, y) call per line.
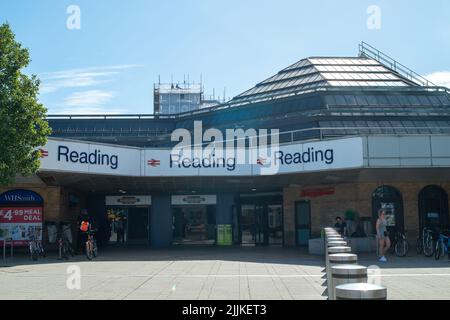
point(425, 243)
point(442, 245)
point(64, 246)
point(400, 244)
point(91, 244)
point(35, 246)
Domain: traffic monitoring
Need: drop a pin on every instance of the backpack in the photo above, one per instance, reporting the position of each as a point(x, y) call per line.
point(84, 226)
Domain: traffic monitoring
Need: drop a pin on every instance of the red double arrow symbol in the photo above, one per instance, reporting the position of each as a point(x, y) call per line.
point(153, 162)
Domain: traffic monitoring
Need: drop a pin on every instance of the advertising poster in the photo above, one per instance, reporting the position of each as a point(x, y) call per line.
point(20, 224)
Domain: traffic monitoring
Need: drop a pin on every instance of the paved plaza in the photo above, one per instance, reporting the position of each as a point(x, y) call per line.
point(209, 273)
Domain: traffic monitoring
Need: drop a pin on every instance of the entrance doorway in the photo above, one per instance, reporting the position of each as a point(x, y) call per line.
point(259, 222)
point(129, 224)
point(194, 224)
point(137, 227)
point(302, 223)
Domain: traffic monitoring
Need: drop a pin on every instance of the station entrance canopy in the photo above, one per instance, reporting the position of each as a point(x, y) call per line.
point(60, 155)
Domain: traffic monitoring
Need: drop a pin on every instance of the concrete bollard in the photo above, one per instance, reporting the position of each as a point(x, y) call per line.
point(347, 273)
point(361, 291)
point(338, 259)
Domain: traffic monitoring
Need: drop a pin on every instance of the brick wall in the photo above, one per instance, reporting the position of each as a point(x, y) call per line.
point(355, 196)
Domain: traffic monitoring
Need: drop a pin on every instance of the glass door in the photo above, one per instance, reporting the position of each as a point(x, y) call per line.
point(247, 224)
point(275, 224)
point(261, 236)
point(137, 225)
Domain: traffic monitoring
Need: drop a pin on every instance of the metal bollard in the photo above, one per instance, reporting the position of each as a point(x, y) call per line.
point(347, 273)
point(333, 250)
point(338, 259)
point(361, 291)
point(329, 244)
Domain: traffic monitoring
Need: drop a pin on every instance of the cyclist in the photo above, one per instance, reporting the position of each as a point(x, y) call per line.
point(84, 223)
point(382, 235)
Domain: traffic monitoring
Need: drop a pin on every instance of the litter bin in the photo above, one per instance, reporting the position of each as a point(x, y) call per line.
point(224, 235)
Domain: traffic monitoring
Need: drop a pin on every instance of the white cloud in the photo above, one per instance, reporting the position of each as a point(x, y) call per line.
point(84, 77)
point(440, 78)
point(88, 99)
point(89, 110)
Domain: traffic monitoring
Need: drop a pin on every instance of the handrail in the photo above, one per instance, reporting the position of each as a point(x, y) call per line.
point(322, 133)
point(366, 50)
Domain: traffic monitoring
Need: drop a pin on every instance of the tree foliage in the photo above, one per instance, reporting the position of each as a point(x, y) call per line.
point(23, 127)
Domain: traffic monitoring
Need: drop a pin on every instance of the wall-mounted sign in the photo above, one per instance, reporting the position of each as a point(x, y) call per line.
point(317, 192)
point(194, 199)
point(91, 158)
point(128, 200)
point(432, 215)
point(62, 155)
point(20, 196)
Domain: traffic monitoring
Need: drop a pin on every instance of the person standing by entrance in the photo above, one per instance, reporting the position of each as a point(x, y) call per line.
point(120, 229)
point(384, 243)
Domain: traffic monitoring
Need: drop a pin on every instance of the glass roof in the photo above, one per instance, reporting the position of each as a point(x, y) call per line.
point(316, 72)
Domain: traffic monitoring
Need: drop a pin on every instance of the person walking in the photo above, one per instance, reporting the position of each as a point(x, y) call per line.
point(384, 243)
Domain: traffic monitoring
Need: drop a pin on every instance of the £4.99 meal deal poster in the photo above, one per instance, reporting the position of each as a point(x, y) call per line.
point(20, 224)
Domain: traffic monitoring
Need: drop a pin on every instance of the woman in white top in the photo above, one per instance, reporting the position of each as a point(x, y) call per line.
point(382, 235)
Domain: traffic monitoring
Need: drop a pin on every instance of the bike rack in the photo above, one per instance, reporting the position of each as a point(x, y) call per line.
point(11, 248)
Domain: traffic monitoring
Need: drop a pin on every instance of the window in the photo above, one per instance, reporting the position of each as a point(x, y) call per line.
point(433, 207)
point(391, 200)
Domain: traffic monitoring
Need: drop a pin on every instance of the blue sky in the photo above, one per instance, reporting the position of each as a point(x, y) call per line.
point(111, 63)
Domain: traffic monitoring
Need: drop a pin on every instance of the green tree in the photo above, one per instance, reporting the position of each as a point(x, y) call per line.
point(23, 127)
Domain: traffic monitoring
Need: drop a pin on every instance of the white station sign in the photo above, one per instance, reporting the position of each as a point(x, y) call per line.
point(193, 199)
point(128, 200)
point(70, 156)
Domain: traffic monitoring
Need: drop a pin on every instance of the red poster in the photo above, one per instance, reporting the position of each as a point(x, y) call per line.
point(19, 224)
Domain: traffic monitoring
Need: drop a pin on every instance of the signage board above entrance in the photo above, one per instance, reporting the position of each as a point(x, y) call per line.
point(81, 157)
point(128, 200)
point(193, 199)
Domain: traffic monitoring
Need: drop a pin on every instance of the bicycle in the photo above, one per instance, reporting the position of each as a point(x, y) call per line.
point(36, 248)
point(425, 243)
point(442, 245)
point(400, 244)
point(91, 245)
point(64, 245)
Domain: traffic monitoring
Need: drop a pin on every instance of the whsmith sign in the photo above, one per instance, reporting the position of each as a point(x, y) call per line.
point(81, 157)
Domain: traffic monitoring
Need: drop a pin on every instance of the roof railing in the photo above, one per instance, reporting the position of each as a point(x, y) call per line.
point(324, 133)
point(228, 105)
point(366, 50)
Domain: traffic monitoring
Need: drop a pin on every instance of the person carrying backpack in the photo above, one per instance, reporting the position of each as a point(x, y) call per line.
point(84, 222)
